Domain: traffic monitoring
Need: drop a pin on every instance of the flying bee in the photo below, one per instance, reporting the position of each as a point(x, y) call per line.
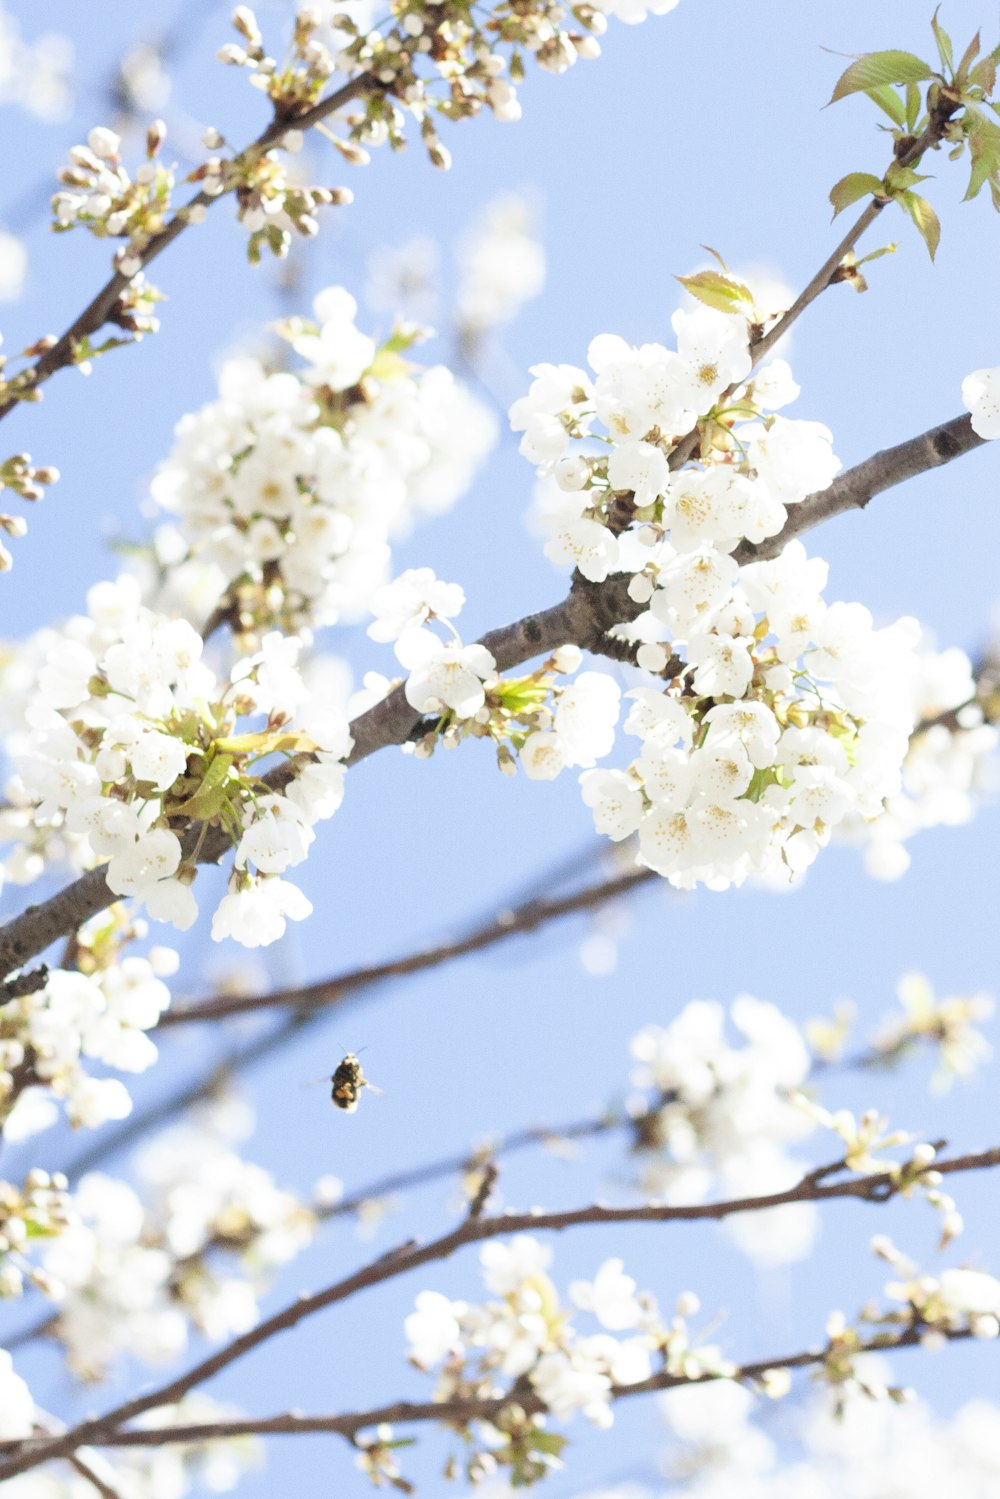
point(347, 1081)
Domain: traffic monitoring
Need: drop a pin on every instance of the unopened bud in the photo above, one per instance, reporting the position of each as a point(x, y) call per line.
point(156, 134)
point(352, 152)
point(246, 24)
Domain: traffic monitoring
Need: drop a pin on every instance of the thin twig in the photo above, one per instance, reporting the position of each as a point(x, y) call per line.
point(929, 138)
point(99, 310)
point(97, 1481)
point(527, 918)
point(461, 1412)
point(878, 1187)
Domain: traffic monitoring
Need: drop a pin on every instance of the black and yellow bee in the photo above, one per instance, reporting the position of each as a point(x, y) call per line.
point(347, 1081)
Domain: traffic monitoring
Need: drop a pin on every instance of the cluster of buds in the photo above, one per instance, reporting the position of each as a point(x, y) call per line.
point(946, 1023)
point(270, 206)
point(19, 474)
point(426, 44)
point(447, 41)
point(298, 81)
point(134, 309)
point(377, 1458)
point(107, 200)
point(839, 1368)
point(862, 1137)
point(37, 1210)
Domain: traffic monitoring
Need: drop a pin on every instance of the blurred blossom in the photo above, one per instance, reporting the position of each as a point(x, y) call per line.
point(13, 265)
point(35, 75)
point(405, 280)
point(143, 80)
point(501, 264)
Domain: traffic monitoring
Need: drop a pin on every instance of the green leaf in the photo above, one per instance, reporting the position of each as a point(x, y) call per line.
point(924, 217)
point(208, 800)
point(724, 293)
point(874, 69)
point(968, 58)
point(984, 148)
point(897, 178)
point(852, 187)
point(877, 254)
point(266, 742)
point(943, 42)
point(887, 99)
point(912, 106)
point(984, 75)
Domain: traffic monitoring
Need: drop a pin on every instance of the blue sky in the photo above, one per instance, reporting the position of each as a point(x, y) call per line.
point(702, 127)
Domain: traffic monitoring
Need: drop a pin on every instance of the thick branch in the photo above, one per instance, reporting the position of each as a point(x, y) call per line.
point(100, 309)
point(582, 618)
point(460, 1412)
point(853, 490)
point(411, 1256)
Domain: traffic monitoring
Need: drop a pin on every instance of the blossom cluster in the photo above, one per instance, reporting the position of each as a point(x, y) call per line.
point(867, 1449)
point(947, 1024)
point(128, 738)
point(781, 715)
point(290, 487)
point(954, 1300)
point(548, 724)
point(526, 1333)
point(167, 1472)
point(713, 1119)
point(950, 764)
point(39, 1209)
point(136, 1274)
point(722, 1118)
point(38, 76)
point(501, 266)
point(97, 1010)
point(480, 60)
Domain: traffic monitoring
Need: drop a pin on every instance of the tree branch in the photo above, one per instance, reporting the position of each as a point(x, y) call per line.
point(853, 490)
point(408, 1256)
point(582, 618)
point(327, 992)
point(460, 1412)
point(929, 139)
